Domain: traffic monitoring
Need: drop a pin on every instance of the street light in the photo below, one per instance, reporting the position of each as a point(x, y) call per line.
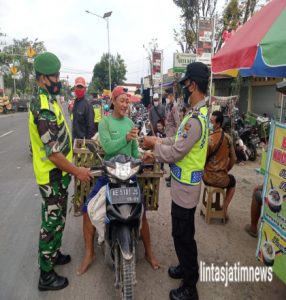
point(106, 18)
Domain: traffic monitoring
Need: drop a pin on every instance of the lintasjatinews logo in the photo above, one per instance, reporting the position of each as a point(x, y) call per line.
point(234, 273)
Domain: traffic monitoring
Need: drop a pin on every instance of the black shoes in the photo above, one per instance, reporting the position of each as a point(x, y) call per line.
point(184, 293)
point(175, 272)
point(167, 179)
point(51, 281)
point(62, 259)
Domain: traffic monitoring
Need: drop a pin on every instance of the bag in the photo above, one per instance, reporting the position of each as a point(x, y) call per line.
point(96, 210)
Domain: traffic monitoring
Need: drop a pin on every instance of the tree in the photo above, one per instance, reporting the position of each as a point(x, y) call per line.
point(235, 13)
point(100, 78)
point(15, 54)
point(192, 11)
point(232, 15)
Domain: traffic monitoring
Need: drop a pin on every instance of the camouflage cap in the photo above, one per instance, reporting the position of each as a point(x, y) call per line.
point(47, 63)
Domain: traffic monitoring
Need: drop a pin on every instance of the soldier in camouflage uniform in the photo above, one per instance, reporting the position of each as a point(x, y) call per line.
point(52, 156)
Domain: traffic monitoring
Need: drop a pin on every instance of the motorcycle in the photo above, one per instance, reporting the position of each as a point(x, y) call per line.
point(140, 117)
point(251, 140)
point(124, 208)
point(246, 140)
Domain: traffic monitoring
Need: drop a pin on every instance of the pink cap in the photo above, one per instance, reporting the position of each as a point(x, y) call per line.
point(80, 81)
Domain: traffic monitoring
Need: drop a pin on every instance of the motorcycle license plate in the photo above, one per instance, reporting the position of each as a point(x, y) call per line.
point(125, 195)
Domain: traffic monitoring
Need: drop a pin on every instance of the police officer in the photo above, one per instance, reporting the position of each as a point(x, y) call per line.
point(186, 152)
point(52, 156)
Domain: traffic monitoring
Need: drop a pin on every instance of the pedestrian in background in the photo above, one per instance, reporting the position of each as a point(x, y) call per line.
point(52, 156)
point(83, 116)
point(96, 104)
point(172, 121)
point(156, 113)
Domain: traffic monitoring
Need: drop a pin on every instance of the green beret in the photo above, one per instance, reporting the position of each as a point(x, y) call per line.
point(47, 64)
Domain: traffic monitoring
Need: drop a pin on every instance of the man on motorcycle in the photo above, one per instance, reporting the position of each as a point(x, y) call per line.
point(220, 159)
point(117, 135)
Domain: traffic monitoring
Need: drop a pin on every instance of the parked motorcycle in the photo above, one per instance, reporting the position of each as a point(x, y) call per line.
point(246, 140)
point(140, 117)
point(124, 209)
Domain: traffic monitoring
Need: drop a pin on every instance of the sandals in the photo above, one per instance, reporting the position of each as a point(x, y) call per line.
point(247, 228)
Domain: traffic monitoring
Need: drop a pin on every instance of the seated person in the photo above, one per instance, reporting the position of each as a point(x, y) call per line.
point(117, 136)
point(220, 159)
point(256, 205)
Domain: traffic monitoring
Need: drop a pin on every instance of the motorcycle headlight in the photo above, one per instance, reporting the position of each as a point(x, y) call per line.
point(123, 171)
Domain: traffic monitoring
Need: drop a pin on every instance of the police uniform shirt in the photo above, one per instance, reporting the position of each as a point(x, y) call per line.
point(169, 151)
point(172, 119)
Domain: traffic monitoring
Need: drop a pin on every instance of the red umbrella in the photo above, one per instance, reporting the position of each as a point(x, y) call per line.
point(134, 98)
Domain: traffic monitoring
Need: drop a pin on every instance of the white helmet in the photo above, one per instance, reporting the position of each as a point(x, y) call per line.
point(156, 96)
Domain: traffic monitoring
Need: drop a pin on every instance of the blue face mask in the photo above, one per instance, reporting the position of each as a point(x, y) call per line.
point(211, 126)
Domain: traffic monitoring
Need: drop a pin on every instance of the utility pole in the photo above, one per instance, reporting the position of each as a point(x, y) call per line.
point(152, 48)
point(106, 18)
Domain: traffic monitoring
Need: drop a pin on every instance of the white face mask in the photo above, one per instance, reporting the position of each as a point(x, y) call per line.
point(167, 101)
point(156, 103)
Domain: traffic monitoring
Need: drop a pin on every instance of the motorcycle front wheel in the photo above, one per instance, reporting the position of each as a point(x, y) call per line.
point(127, 291)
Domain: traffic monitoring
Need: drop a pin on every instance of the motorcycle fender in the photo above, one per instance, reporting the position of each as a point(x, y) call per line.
point(124, 240)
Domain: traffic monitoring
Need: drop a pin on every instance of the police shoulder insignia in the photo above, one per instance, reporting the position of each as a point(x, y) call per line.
point(186, 129)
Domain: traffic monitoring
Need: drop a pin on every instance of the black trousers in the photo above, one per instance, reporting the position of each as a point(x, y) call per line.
point(96, 127)
point(183, 231)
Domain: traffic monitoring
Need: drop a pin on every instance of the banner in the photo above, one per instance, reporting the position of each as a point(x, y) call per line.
point(181, 60)
point(205, 36)
point(157, 64)
point(271, 249)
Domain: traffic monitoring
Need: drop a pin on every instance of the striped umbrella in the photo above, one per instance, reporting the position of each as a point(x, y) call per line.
point(258, 48)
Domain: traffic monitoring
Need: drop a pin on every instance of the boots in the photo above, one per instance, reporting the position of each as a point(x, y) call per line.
point(168, 178)
point(51, 281)
point(62, 259)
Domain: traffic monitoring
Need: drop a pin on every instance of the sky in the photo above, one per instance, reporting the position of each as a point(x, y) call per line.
point(79, 39)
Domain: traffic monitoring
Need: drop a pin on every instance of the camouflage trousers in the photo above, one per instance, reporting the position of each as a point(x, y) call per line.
point(54, 210)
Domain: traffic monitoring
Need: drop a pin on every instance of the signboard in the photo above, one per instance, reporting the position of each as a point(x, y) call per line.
point(205, 34)
point(181, 60)
point(157, 64)
point(271, 249)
